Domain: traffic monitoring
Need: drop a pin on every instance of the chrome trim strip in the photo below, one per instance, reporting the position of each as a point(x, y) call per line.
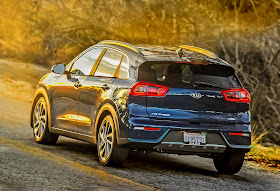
point(75, 119)
point(65, 119)
point(87, 122)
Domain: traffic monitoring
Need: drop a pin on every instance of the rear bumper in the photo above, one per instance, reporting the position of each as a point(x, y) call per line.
point(215, 143)
point(170, 136)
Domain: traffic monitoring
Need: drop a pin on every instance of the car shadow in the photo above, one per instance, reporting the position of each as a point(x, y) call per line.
point(159, 162)
point(149, 162)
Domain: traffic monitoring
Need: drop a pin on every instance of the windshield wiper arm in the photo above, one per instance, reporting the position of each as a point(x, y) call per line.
point(205, 84)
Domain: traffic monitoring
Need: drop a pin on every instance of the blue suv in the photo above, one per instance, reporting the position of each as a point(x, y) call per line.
point(122, 97)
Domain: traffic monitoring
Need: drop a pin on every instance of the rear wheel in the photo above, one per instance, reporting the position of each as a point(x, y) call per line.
point(40, 124)
point(109, 152)
point(230, 163)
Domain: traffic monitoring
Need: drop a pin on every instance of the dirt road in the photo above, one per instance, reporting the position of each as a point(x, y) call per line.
point(73, 165)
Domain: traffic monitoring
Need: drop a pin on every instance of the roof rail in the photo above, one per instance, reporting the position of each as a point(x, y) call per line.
point(119, 43)
point(199, 50)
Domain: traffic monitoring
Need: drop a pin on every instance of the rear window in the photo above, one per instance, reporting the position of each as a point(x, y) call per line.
point(184, 75)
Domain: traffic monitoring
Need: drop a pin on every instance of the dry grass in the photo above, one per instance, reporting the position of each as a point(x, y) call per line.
point(269, 156)
point(18, 80)
point(265, 153)
point(19, 90)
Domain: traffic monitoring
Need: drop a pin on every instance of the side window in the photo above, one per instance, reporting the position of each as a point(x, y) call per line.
point(123, 72)
point(84, 64)
point(108, 64)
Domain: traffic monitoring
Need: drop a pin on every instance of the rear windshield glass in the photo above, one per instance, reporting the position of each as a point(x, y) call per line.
point(184, 75)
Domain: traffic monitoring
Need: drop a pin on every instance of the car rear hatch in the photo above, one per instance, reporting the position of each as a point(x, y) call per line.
point(193, 92)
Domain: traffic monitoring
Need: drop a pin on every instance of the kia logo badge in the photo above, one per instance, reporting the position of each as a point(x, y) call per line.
point(196, 95)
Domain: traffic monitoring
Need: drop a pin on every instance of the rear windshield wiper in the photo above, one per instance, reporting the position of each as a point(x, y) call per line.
point(204, 84)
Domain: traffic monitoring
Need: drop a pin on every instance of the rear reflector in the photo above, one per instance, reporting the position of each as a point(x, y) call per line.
point(240, 134)
point(151, 128)
point(237, 95)
point(148, 89)
point(147, 128)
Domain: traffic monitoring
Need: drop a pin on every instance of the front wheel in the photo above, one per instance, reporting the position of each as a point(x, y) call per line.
point(109, 152)
point(40, 123)
point(230, 163)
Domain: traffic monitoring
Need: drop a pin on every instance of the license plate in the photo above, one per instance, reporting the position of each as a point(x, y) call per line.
point(195, 138)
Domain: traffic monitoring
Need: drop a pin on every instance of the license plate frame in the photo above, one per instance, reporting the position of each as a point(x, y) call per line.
point(194, 138)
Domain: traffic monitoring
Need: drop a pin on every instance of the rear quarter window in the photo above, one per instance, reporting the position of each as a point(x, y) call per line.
point(108, 64)
point(123, 72)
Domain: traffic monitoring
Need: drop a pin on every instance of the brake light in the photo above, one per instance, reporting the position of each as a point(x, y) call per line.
point(237, 95)
point(148, 89)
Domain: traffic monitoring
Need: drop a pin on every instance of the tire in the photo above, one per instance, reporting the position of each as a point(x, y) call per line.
point(40, 123)
point(230, 163)
point(109, 152)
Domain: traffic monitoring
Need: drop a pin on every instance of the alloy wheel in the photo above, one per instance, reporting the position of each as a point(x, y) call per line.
point(39, 119)
point(105, 139)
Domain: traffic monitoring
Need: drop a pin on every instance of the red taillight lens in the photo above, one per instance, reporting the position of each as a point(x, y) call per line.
point(151, 129)
point(240, 134)
point(237, 95)
point(147, 128)
point(139, 89)
point(148, 89)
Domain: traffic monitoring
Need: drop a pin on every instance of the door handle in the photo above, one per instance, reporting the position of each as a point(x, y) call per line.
point(77, 84)
point(105, 87)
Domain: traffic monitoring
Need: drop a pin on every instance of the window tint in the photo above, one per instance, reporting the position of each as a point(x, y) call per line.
point(84, 64)
point(189, 75)
point(108, 64)
point(123, 72)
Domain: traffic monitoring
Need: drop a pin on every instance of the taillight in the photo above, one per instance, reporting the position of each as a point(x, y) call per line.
point(237, 95)
point(148, 89)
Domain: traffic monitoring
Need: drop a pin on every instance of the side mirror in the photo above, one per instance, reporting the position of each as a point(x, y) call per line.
point(58, 69)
